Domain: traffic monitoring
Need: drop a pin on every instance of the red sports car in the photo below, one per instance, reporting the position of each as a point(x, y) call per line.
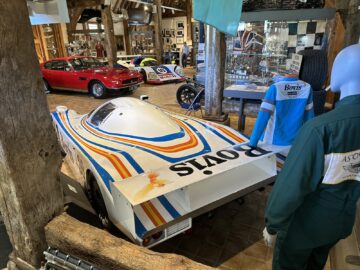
point(87, 74)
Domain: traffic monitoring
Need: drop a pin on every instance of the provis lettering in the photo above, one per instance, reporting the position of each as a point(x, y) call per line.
point(203, 163)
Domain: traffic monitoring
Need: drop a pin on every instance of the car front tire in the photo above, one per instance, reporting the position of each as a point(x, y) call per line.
point(186, 94)
point(98, 90)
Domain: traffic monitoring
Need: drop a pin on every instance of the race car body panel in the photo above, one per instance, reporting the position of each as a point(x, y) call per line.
point(153, 72)
point(156, 168)
point(162, 73)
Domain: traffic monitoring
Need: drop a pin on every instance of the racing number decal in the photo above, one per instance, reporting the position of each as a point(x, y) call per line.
point(161, 70)
point(203, 163)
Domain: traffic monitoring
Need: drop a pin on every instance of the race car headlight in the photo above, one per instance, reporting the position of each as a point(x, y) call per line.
point(116, 82)
point(152, 76)
point(179, 71)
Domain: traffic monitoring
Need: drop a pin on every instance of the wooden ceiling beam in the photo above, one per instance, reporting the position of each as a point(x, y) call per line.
point(123, 3)
point(82, 3)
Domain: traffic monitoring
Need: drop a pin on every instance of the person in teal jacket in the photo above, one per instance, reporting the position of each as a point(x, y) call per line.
point(313, 202)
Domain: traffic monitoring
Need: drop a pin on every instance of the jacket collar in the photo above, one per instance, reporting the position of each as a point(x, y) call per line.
point(349, 100)
point(285, 79)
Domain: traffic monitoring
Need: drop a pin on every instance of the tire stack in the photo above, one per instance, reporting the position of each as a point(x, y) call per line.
point(314, 69)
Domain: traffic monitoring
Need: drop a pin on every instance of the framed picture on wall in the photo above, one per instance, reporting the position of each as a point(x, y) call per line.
point(167, 33)
point(180, 33)
point(172, 31)
point(180, 25)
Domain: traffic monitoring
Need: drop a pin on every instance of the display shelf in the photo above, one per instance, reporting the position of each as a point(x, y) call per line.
point(264, 54)
point(289, 15)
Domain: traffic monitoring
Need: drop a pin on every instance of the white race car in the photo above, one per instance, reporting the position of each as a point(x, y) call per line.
point(153, 73)
point(149, 172)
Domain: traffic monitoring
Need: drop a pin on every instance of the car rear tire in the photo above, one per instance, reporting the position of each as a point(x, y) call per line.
point(98, 90)
point(186, 94)
point(95, 197)
point(47, 87)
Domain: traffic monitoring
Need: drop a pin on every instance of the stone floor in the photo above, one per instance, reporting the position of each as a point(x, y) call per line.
point(229, 239)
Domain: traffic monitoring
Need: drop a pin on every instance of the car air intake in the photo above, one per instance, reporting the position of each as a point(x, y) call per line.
point(186, 224)
point(133, 80)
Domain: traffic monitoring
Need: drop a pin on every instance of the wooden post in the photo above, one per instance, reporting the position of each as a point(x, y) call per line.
point(189, 15)
point(352, 23)
point(110, 43)
point(157, 25)
point(127, 37)
point(30, 192)
point(74, 14)
point(59, 40)
point(215, 74)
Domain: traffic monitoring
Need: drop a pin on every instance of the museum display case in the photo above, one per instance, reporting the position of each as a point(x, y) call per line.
point(262, 49)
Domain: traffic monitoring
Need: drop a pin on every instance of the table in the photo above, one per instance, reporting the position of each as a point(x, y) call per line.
point(244, 93)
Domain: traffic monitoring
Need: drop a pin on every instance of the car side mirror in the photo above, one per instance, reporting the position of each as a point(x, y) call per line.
point(68, 68)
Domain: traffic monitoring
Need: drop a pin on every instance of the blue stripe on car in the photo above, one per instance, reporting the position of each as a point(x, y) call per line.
point(105, 176)
point(129, 158)
point(165, 138)
point(205, 149)
point(215, 132)
point(172, 211)
point(139, 227)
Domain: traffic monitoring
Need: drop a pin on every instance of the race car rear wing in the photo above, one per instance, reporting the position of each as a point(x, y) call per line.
point(205, 178)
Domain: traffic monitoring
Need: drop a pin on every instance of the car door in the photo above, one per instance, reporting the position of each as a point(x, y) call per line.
point(71, 77)
point(49, 75)
point(80, 76)
point(58, 73)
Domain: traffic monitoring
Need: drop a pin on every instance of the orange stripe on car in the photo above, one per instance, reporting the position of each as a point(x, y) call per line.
point(115, 161)
point(192, 142)
point(227, 132)
point(153, 213)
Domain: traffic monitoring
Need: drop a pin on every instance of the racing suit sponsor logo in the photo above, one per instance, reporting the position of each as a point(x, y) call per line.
point(205, 162)
point(353, 168)
point(340, 167)
point(292, 90)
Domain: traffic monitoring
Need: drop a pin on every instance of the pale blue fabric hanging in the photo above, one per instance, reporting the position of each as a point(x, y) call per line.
point(224, 15)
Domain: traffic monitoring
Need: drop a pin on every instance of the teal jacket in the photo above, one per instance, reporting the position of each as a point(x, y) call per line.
point(315, 194)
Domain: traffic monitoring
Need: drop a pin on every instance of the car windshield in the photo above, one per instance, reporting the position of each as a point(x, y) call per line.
point(85, 63)
point(102, 113)
point(150, 63)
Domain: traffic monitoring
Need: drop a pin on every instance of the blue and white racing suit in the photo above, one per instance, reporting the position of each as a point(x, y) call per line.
point(285, 108)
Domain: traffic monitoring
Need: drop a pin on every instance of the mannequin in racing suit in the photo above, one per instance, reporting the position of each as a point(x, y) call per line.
point(313, 202)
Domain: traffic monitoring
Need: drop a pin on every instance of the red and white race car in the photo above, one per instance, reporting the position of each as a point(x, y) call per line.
point(153, 72)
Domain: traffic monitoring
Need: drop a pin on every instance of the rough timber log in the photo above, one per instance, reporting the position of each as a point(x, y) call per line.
point(109, 252)
point(110, 43)
point(30, 193)
point(157, 17)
